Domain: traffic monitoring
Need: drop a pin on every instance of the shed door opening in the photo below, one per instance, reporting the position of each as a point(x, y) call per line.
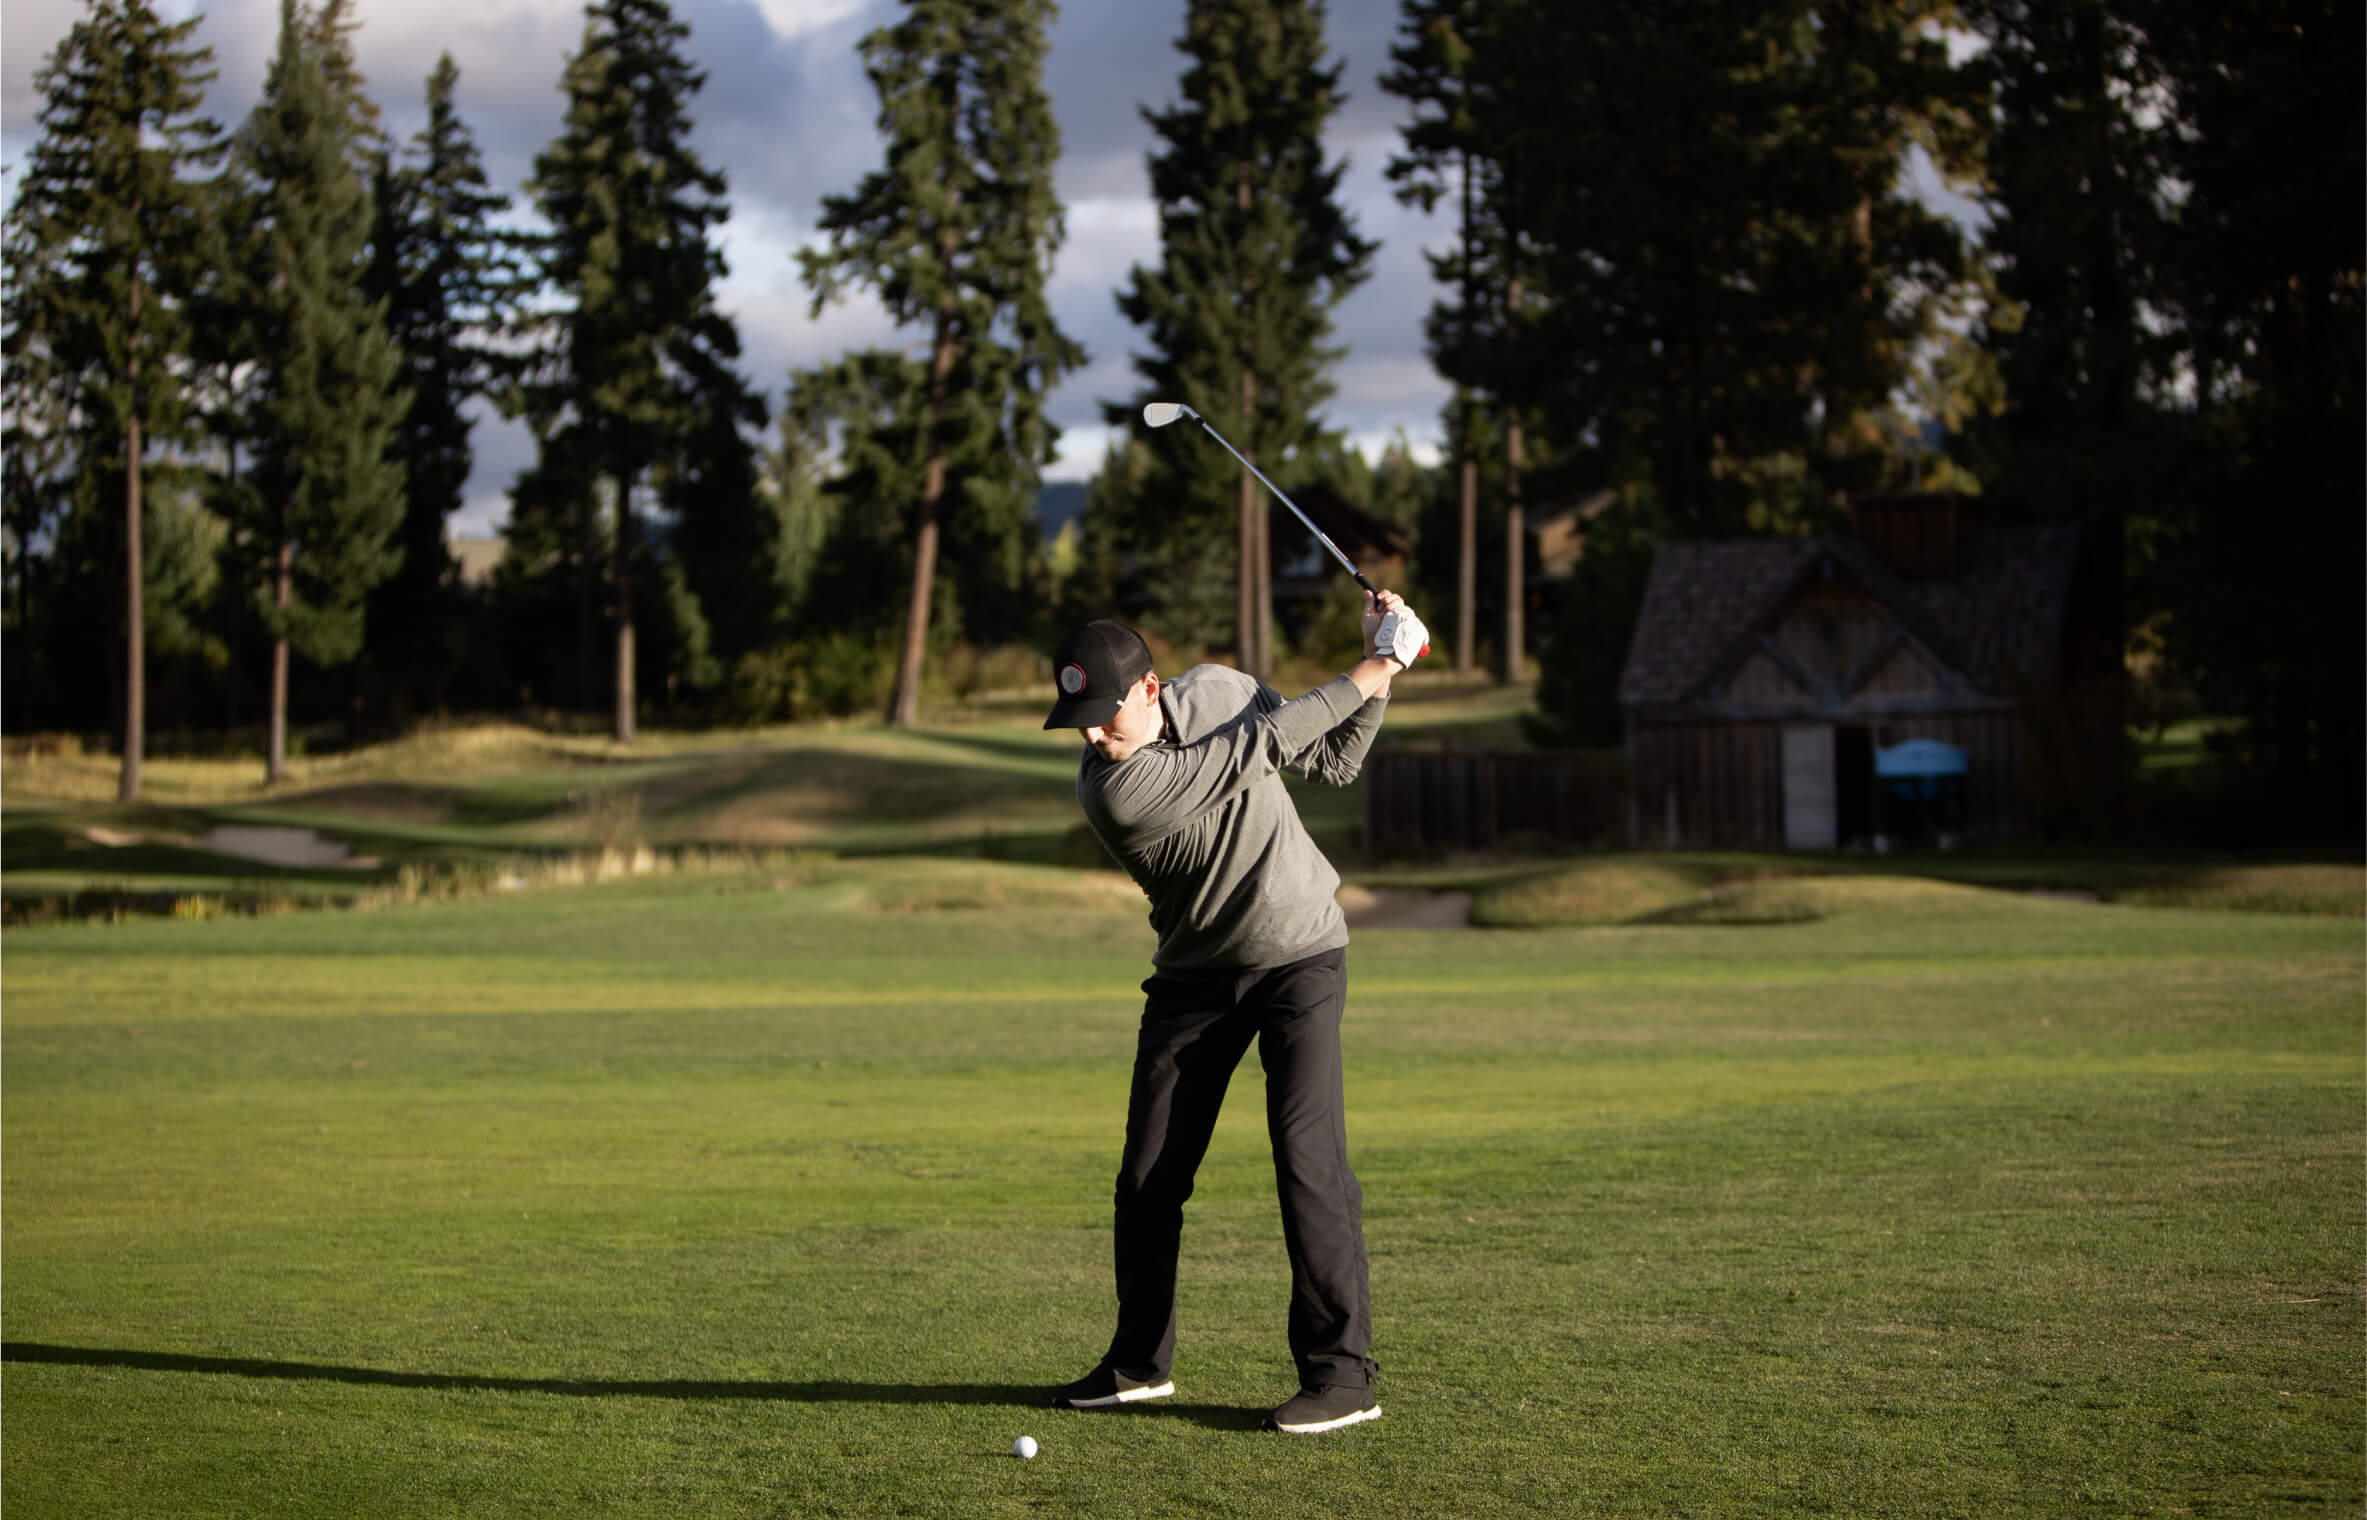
point(1810, 813)
point(1853, 783)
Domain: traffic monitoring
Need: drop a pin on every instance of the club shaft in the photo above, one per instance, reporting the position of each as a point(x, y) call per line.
point(1346, 563)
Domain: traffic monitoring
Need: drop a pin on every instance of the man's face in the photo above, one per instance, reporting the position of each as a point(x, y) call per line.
point(1136, 723)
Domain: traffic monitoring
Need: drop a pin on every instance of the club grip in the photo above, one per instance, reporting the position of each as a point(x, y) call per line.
point(1368, 585)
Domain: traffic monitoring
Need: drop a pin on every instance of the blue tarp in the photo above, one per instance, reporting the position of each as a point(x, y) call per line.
point(1919, 757)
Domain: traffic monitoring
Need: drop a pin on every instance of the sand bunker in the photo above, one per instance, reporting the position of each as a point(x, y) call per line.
point(298, 849)
point(1400, 908)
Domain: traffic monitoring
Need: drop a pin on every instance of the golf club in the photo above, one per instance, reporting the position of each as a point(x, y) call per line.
point(1159, 413)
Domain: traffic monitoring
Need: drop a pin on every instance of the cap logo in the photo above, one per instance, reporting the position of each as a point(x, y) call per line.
point(1072, 679)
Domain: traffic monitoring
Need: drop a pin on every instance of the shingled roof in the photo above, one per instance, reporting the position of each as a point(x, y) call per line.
point(1999, 624)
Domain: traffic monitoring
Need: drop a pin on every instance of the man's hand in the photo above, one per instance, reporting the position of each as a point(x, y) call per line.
point(1377, 605)
point(1393, 639)
point(1401, 636)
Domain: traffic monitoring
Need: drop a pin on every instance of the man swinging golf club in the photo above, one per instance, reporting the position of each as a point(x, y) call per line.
point(1182, 782)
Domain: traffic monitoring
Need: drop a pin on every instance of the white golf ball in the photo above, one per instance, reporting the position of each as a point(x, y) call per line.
point(1025, 1446)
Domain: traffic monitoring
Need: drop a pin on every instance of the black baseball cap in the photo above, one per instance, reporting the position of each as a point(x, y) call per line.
point(1094, 668)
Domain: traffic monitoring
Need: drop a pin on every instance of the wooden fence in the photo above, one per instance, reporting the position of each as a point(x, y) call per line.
point(1426, 803)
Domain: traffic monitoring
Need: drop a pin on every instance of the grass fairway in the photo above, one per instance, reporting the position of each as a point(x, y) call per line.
point(763, 1195)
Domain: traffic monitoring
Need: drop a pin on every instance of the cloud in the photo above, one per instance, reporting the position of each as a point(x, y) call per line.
point(30, 31)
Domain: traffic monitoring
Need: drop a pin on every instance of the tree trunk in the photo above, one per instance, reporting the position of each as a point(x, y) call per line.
point(1467, 551)
point(587, 632)
point(135, 686)
point(1262, 517)
point(1245, 576)
point(623, 572)
point(904, 706)
point(275, 765)
point(1256, 633)
point(1256, 598)
point(1516, 576)
point(238, 606)
point(1467, 554)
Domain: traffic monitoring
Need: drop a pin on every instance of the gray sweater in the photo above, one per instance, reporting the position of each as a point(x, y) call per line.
point(1201, 821)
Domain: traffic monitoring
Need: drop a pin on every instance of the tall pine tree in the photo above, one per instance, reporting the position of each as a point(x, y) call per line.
point(443, 270)
point(1882, 278)
point(1256, 250)
point(633, 376)
point(104, 242)
point(956, 233)
point(2262, 279)
point(1480, 113)
point(326, 492)
point(1436, 72)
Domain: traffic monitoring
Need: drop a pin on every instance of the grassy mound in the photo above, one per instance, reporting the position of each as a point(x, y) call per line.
point(1773, 889)
point(1708, 890)
point(1804, 899)
point(2336, 890)
point(941, 886)
point(1613, 890)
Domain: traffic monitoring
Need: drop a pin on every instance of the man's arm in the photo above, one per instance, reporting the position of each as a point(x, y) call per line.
point(1163, 786)
point(1372, 675)
point(1337, 757)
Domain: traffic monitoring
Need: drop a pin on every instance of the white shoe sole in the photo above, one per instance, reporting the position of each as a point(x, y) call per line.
point(1122, 1396)
point(1342, 1423)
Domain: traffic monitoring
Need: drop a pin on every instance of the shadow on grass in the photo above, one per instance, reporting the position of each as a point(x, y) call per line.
point(1013, 1395)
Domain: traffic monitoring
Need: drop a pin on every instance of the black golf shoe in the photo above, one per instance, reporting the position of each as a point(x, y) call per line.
point(1331, 1407)
point(1107, 1388)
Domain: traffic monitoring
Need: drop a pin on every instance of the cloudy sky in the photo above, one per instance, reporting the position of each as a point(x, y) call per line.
point(788, 115)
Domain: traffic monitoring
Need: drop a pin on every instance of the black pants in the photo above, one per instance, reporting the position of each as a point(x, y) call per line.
point(1195, 1028)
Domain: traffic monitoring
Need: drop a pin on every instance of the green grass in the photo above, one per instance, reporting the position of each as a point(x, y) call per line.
point(1741, 888)
point(784, 1193)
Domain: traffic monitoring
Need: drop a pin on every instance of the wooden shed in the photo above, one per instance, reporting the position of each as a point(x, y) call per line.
point(1765, 675)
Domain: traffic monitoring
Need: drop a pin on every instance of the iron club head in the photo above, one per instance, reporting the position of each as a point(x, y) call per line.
point(1159, 413)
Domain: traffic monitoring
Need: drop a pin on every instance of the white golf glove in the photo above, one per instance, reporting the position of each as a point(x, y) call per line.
point(1401, 636)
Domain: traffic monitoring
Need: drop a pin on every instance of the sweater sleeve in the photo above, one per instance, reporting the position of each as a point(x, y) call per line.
point(1163, 787)
point(1337, 757)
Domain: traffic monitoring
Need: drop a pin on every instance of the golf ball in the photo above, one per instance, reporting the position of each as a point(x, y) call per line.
point(1025, 1446)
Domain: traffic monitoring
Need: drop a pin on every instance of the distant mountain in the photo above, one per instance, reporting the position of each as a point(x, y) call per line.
point(1057, 503)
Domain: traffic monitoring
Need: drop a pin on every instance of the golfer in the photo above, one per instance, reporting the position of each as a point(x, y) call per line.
point(1182, 783)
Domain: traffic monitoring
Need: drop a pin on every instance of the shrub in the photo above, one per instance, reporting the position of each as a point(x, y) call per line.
point(834, 676)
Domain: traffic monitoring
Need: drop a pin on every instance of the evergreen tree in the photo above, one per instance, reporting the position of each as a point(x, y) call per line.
point(553, 562)
point(442, 270)
point(1479, 111)
point(854, 417)
point(328, 37)
point(103, 245)
point(2261, 287)
point(2082, 429)
point(1099, 584)
point(805, 513)
point(326, 493)
point(1434, 71)
point(633, 373)
point(957, 231)
point(1255, 251)
point(2073, 230)
point(1660, 201)
point(1877, 277)
point(725, 534)
point(38, 451)
point(1696, 263)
